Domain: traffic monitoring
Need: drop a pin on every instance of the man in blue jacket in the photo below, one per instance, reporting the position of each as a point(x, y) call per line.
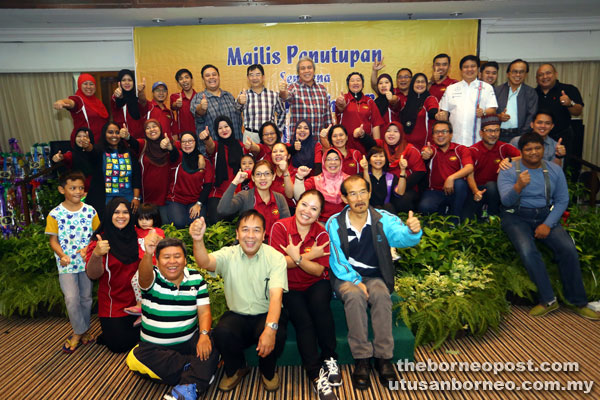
point(360, 240)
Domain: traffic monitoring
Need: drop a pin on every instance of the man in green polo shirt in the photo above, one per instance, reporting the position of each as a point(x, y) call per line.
point(254, 277)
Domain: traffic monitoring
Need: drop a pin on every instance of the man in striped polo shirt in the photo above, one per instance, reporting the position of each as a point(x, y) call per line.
point(174, 302)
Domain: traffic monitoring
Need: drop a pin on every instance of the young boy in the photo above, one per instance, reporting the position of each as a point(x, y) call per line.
point(180, 103)
point(70, 226)
point(175, 304)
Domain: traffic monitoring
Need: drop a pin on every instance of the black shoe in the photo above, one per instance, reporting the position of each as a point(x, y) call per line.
point(360, 376)
point(386, 371)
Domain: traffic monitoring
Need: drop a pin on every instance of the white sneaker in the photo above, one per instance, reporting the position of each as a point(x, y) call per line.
point(323, 388)
point(333, 372)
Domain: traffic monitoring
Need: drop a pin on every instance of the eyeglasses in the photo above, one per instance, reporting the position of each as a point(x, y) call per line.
point(404, 77)
point(355, 195)
point(444, 132)
point(263, 174)
point(497, 130)
point(191, 141)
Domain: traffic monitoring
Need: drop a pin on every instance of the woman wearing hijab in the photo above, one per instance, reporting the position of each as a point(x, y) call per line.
point(82, 142)
point(355, 110)
point(387, 103)
point(112, 257)
point(190, 183)
point(226, 156)
point(420, 108)
point(116, 172)
point(404, 161)
point(86, 109)
point(337, 136)
point(305, 149)
point(327, 182)
point(156, 157)
point(128, 108)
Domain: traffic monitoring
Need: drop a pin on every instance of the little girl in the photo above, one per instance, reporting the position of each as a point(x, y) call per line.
point(148, 218)
point(247, 165)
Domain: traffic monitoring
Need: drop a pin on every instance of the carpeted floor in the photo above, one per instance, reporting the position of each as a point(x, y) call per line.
point(32, 365)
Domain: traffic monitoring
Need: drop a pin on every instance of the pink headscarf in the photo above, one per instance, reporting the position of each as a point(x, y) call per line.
point(329, 184)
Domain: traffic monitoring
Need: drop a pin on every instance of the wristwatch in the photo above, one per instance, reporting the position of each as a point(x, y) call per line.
point(572, 104)
point(204, 332)
point(272, 325)
point(137, 198)
point(298, 261)
point(199, 203)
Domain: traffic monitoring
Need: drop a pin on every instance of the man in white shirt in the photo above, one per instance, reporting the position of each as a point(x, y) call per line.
point(465, 102)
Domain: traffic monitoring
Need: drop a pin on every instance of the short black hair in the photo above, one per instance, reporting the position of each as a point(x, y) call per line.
point(442, 55)
point(378, 150)
point(253, 67)
point(249, 214)
point(170, 242)
point(516, 61)
point(352, 178)
point(148, 211)
point(207, 66)
point(316, 193)
point(362, 78)
point(492, 64)
point(274, 125)
point(469, 57)
point(447, 123)
point(403, 69)
point(181, 72)
point(530, 137)
point(330, 133)
point(544, 112)
point(70, 176)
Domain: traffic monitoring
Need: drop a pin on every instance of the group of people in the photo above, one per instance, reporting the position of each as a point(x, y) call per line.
point(316, 215)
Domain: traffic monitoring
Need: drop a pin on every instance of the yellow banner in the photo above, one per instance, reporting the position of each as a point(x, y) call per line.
point(337, 48)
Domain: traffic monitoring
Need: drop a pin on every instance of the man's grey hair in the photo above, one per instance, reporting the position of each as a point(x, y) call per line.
point(305, 58)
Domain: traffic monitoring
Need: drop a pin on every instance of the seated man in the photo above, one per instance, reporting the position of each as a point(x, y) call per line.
point(535, 195)
point(174, 302)
point(542, 124)
point(489, 155)
point(363, 275)
point(450, 164)
point(254, 278)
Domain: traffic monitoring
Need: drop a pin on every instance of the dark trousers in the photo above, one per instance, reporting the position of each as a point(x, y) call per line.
point(235, 332)
point(520, 228)
point(310, 313)
point(407, 202)
point(118, 334)
point(491, 197)
point(176, 365)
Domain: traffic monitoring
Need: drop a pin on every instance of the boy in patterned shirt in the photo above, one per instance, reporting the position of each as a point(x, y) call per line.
point(70, 226)
point(176, 345)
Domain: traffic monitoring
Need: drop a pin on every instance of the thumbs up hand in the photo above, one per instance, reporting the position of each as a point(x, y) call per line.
point(564, 99)
point(124, 132)
point(242, 98)
point(165, 144)
point(340, 102)
point(102, 248)
point(204, 134)
point(179, 102)
point(402, 163)
point(283, 85)
point(560, 148)
point(141, 86)
point(427, 152)
point(204, 103)
point(413, 223)
point(389, 95)
point(364, 164)
point(504, 116)
point(58, 157)
point(359, 132)
point(118, 91)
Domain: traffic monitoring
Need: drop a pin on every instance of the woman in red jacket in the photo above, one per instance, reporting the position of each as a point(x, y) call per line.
point(128, 108)
point(190, 183)
point(157, 154)
point(86, 109)
point(112, 257)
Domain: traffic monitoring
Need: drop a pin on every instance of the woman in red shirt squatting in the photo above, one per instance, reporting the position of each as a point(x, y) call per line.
point(328, 183)
point(112, 257)
point(190, 183)
point(305, 244)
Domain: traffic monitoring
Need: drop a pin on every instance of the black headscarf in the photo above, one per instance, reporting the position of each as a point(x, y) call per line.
point(129, 96)
point(189, 162)
point(123, 242)
point(229, 152)
point(381, 101)
point(81, 160)
point(306, 155)
point(358, 95)
point(414, 103)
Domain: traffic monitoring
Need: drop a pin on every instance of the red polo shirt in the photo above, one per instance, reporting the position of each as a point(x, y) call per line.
point(438, 89)
point(185, 188)
point(268, 210)
point(486, 161)
point(445, 164)
point(185, 119)
point(279, 185)
point(351, 163)
point(162, 115)
point(121, 116)
point(363, 111)
point(401, 99)
point(413, 159)
point(298, 279)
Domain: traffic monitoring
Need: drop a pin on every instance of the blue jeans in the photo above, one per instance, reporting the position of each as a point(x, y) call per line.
point(77, 289)
point(491, 197)
point(520, 228)
point(437, 201)
point(179, 214)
